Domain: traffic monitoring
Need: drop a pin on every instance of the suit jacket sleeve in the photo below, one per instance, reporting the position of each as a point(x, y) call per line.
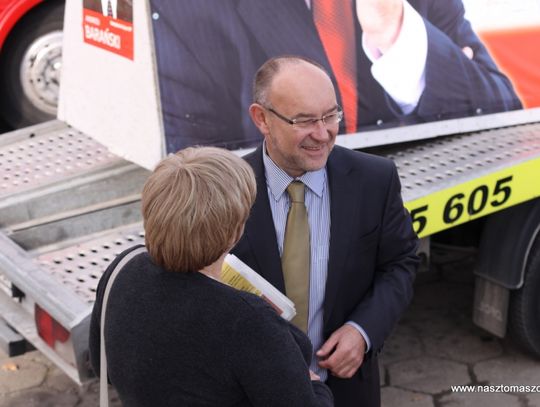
point(455, 84)
point(395, 266)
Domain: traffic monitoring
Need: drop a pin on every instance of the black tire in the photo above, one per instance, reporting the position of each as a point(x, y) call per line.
point(524, 309)
point(16, 108)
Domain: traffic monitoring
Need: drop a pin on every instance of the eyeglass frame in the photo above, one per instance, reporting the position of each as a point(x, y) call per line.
point(311, 121)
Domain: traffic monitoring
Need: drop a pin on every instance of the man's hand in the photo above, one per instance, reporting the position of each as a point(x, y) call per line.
point(343, 353)
point(314, 376)
point(381, 22)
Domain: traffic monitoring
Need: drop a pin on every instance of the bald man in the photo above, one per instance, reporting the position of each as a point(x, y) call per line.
point(362, 245)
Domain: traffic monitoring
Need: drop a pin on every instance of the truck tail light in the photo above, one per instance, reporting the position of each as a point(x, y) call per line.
point(49, 329)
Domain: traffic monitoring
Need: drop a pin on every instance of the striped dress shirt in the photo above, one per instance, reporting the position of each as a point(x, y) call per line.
point(317, 200)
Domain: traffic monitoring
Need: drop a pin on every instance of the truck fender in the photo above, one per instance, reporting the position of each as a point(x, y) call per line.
point(506, 243)
point(510, 262)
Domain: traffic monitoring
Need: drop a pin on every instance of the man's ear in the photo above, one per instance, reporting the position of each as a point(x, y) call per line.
point(259, 117)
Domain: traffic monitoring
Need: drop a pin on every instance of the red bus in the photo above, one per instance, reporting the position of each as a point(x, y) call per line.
point(30, 60)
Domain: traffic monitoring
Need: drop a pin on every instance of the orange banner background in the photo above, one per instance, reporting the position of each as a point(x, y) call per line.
point(516, 52)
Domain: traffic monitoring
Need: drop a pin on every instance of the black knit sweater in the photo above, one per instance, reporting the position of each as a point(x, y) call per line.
point(183, 339)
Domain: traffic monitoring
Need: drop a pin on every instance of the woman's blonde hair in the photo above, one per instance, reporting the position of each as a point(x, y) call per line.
point(195, 205)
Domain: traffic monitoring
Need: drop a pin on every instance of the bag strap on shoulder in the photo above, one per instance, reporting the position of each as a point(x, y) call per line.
point(103, 386)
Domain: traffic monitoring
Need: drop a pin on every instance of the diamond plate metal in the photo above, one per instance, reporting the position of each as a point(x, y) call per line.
point(427, 167)
point(46, 158)
point(80, 266)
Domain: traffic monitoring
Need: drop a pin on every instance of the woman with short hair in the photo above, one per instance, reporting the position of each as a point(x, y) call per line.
point(174, 334)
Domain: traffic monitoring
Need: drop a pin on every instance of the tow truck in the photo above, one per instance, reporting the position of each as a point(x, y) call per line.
point(70, 191)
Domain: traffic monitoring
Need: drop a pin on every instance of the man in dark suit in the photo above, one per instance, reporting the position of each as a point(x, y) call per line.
point(362, 245)
point(208, 51)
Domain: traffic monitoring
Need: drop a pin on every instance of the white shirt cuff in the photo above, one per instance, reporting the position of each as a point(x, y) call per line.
point(362, 332)
point(401, 70)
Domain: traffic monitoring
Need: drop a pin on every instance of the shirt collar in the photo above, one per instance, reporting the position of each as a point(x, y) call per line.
point(278, 180)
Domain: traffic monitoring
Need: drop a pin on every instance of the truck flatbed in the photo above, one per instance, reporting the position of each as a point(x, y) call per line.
point(68, 207)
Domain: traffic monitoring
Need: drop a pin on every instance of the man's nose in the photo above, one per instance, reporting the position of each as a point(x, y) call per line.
point(321, 131)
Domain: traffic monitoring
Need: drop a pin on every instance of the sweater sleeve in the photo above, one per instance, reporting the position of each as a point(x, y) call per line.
point(268, 363)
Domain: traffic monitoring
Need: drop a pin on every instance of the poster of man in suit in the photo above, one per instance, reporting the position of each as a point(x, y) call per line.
point(435, 66)
point(108, 24)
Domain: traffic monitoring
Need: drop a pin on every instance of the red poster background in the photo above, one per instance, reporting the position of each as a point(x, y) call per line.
point(108, 33)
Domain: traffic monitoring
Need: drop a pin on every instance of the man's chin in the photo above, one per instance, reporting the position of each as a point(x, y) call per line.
point(314, 165)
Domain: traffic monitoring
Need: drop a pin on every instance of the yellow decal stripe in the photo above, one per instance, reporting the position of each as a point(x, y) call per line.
point(476, 198)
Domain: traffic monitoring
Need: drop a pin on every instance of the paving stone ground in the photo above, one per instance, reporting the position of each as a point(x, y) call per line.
point(434, 347)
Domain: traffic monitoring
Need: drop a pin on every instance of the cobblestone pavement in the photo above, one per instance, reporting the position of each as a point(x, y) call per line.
point(434, 347)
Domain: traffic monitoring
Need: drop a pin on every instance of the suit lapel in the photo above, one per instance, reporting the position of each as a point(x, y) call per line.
point(260, 231)
point(261, 234)
point(343, 201)
point(283, 27)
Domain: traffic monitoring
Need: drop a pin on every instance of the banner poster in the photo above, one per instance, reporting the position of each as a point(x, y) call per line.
point(450, 59)
point(108, 24)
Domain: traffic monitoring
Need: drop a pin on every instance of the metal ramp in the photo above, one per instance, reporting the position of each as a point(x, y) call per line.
point(80, 266)
point(424, 168)
point(62, 196)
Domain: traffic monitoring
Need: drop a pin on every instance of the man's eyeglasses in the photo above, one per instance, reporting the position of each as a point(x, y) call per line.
point(311, 122)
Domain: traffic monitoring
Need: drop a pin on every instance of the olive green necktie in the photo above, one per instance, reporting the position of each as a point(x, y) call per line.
point(296, 254)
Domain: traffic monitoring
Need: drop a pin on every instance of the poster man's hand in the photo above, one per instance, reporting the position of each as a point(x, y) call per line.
point(381, 22)
point(343, 353)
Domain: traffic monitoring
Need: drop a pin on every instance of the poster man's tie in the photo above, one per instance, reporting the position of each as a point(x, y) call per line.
point(334, 20)
point(109, 8)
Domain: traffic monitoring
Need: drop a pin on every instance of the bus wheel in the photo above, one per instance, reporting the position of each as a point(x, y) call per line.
point(30, 63)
